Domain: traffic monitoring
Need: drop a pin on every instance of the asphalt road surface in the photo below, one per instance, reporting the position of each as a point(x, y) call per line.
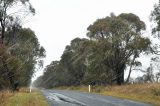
point(74, 98)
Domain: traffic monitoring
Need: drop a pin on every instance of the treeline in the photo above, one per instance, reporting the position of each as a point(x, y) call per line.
point(114, 43)
point(20, 50)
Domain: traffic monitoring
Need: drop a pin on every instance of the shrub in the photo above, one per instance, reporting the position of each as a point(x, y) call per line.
point(156, 91)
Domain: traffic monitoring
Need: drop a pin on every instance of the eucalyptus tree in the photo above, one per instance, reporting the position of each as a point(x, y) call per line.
point(73, 59)
point(11, 10)
point(25, 46)
point(123, 41)
point(71, 68)
point(7, 68)
point(155, 17)
point(50, 76)
point(19, 56)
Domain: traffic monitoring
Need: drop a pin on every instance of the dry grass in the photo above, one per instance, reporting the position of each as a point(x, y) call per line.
point(27, 99)
point(135, 88)
point(22, 98)
point(4, 95)
point(148, 93)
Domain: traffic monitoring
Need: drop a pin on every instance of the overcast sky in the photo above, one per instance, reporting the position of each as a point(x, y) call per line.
point(57, 22)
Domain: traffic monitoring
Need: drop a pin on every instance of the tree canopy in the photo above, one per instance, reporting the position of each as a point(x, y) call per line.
point(114, 43)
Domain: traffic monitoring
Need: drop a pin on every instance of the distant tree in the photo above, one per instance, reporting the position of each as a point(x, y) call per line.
point(155, 17)
point(155, 61)
point(157, 76)
point(74, 58)
point(133, 64)
point(149, 76)
point(139, 80)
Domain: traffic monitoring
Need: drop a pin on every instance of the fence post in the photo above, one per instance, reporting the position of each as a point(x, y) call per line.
point(89, 88)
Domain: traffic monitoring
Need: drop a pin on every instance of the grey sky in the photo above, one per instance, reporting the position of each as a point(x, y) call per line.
point(57, 22)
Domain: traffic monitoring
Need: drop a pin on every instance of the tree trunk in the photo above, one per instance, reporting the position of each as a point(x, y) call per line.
point(2, 32)
point(120, 75)
point(130, 70)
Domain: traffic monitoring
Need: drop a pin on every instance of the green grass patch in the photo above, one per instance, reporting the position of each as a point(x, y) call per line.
point(27, 99)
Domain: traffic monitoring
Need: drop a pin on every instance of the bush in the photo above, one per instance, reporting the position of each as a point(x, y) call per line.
point(156, 92)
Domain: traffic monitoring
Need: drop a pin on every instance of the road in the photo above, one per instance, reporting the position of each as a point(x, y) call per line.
point(75, 98)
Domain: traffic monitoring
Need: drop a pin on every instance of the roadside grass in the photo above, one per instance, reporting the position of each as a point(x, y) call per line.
point(24, 98)
point(147, 93)
point(4, 95)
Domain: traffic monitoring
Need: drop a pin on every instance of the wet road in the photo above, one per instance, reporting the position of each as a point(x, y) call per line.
point(74, 98)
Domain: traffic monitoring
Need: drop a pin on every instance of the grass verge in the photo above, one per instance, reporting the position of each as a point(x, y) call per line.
point(4, 95)
point(24, 98)
point(147, 93)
